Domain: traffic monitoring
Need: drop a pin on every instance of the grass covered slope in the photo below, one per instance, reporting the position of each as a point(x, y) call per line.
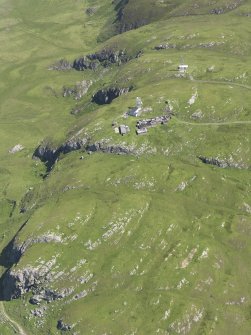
point(151, 241)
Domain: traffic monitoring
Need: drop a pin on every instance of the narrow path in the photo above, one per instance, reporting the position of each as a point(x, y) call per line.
point(216, 123)
point(229, 83)
point(12, 323)
point(224, 123)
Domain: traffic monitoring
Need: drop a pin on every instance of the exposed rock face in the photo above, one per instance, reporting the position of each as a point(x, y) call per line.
point(72, 145)
point(105, 58)
point(105, 146)
point(223, 163)
point(49, 155)
point(106, 96)
point(85, 63)
point(17, 250)
point(78, 91)
point(46, 153)
point(61, 65)
point(16, 283)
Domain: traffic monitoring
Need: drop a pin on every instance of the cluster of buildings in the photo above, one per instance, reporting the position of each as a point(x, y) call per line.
point(141, 125)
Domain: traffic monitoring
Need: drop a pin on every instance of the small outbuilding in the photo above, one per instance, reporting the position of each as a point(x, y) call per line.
point(182, 68)
point(123, 130)
point(141, 131)
point(137, 110)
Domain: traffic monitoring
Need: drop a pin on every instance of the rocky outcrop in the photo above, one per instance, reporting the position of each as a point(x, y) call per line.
point(61, 65)
point(49, 155)
point(104, 145)
point(165, 46)
point(106, 96)
point(72, 145)
point(78, 91)
point(108, 148)
point(17, 282)
point(46, 153)
point(84, 63)
point(16, 148)
point(17, 249)
point(105, 58)
point(223, 163)
point(64, 326)
point(228, 7)
point(49, 295)
point(91, 11)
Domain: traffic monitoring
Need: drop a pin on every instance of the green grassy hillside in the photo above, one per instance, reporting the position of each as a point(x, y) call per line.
point(125, 234)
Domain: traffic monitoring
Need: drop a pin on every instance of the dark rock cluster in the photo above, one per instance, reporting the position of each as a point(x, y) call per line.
point(104, 58)
point(63, 326)
point(165, 46)
point(222, 163)
point(106, 96)
point(91, 11)
point(49, 155)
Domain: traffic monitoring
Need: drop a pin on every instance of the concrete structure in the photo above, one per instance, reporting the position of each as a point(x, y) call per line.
point(182, 68)
point(141, 131)
point(137, 110)
point(148, 123)
point(123, 129)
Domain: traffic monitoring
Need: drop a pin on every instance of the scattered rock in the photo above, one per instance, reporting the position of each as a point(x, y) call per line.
point(79, 90)
point(61, 65)
point(91, 11)
point(193, 98)
point(197, 115)
point(105, 58)
point(210, 44)
point(64, 326)
point(165, 46)
point(16, 148)
point(35, 300)
point(223, 163)
point(38, 312)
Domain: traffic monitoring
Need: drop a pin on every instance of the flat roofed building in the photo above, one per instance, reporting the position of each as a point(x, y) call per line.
point(123, 129)
point(182, 68)
point(141, 131)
